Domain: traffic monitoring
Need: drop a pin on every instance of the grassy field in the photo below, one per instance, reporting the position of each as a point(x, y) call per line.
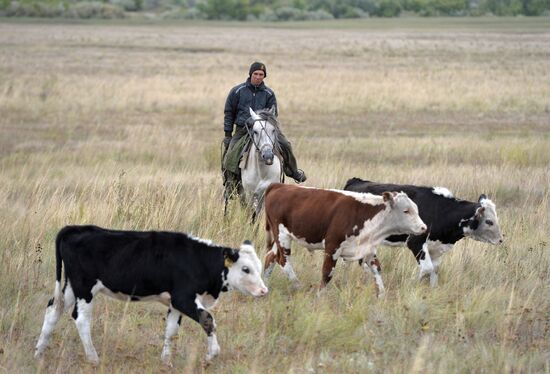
point(120, 125)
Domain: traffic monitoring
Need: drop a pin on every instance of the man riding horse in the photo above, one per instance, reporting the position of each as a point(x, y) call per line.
point(252, 94)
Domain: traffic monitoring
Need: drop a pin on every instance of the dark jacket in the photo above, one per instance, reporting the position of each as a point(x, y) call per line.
point(245, 96)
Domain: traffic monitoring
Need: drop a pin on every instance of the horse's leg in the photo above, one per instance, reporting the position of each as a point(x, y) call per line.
point(225, 203)
point(258, 202)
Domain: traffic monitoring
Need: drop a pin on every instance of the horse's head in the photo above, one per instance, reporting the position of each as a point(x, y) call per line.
point(263, 130)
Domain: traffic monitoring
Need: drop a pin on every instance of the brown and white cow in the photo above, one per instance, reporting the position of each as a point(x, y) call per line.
point(347, 225)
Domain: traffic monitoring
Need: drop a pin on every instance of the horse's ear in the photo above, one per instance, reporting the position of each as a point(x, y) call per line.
point(253, 114)
point(273, 110)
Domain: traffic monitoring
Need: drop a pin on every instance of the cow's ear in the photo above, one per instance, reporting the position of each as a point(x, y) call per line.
point(481, 197)
point(388, 197)
point(230, 256)
point(479, 212)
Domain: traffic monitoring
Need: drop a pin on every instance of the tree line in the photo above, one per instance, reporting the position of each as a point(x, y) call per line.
point(270, 10)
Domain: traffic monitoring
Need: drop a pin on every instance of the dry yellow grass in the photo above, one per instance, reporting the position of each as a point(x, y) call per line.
point(120, 126)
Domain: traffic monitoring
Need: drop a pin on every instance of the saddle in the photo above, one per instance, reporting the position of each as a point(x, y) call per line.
point(233, 157)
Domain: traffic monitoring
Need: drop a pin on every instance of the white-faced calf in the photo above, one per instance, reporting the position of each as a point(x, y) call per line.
point(448, 219)
point(344, 224)
point(186, 274)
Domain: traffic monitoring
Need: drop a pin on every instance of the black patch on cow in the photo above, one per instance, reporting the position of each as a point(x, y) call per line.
point(445, 217)
point(224, 279)
point(206, 321)
point(143, 263)
point(50, 302)
point(231, 254)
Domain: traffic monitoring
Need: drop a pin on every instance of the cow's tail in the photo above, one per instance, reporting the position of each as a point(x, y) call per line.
point(58, 297)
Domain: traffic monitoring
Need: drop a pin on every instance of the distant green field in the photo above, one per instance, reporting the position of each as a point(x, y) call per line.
point(119, 124)
point(500, 24)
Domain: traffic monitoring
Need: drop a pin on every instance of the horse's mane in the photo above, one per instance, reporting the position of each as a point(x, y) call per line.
point(267, 115)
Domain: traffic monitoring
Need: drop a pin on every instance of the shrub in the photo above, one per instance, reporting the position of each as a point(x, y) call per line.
point(448, 7)
point(128, 5)
point(268, 15)
point(35, 9)
point(388, 8)
point(354, 12)
point(95, 10)
point(194, 13)
point(535, 7)
point(317, 15)
point(289, 14)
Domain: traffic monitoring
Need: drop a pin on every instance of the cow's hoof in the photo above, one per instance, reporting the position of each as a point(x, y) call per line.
point(94, 361)
point(209, 357)
point(166, 360)
point(38, 353)
point(296, 285)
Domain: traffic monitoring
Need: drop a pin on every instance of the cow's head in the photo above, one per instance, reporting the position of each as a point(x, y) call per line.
point(403, 214)
point(483, 226)
point(244, 270)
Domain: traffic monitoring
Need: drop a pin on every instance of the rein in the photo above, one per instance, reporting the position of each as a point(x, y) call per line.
point(262, 130)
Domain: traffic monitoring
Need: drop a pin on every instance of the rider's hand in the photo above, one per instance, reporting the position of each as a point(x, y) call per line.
point(226, 141)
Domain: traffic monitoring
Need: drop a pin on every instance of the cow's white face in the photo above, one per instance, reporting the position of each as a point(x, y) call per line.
point(404, 214)
point(486, 227)
point(245, 272)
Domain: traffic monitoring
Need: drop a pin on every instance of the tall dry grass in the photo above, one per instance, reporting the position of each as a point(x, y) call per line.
point(120, 126)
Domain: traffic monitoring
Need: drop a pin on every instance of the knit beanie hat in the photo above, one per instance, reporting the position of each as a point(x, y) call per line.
point(257, 66)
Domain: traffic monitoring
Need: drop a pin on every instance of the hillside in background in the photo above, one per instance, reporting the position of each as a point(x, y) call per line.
point(268, 10)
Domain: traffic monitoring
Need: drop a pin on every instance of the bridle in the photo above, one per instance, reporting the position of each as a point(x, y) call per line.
point(264, 130)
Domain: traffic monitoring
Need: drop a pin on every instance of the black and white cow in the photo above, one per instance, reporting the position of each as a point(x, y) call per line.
point(185, 273)
point(448, 220)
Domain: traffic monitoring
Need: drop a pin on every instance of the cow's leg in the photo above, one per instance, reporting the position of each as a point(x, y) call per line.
point(283, 242)
point(436, 250)
point(418, 245)
point(271, 249)
point(426, 267)
point(83, 318)
point(269, 262)
point(68, 296)
point(372, 265)
point(187, 306)
point(172, 323)
point(287, 267)
point(53, 312)
point(434, 277)
point(328, 264)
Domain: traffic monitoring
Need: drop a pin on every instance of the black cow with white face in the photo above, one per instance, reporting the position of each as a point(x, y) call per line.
point(185, 273)
point(448, 220)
